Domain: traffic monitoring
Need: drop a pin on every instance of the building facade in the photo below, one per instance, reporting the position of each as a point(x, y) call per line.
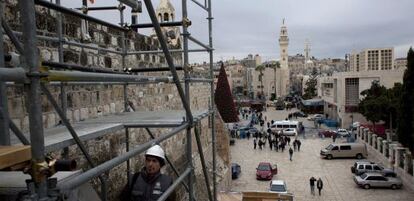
point(341, 92)
point(372, 59)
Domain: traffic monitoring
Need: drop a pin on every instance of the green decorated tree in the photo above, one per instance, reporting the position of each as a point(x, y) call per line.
point(224, 98)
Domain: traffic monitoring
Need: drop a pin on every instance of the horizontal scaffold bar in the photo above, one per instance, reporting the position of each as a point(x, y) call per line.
point(110, 164)
point(78, 14)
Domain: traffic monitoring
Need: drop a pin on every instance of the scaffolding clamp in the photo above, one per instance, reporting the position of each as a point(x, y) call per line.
point(38, 170)
point(186, 22)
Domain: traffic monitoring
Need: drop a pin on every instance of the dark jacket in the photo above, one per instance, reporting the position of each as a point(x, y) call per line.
point(144, 188)
point(319, 184)
point(312, 181)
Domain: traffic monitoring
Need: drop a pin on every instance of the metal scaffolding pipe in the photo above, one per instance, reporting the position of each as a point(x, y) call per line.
point(79, 67)
point(101, 77)
point(65, 41)
point(18, 133)
point(77, 14)
point(13, 38)
point(199, 4)
point(4, 111)
point(160, 51)
point(99, 8)
point(12, 75)
point(169, 58)
point(180, 179)
point(140, 70)
point(28, 19)
point(212, 104)
point(203, 162)
point(98, 170)
point(162, 24)
point(199, 42)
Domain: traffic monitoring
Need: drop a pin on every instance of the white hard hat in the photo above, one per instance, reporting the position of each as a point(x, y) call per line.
point(157, 151)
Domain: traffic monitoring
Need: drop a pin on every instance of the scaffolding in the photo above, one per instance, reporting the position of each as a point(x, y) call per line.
point(34, 79)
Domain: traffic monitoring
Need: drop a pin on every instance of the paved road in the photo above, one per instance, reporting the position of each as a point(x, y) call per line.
point(336, 174)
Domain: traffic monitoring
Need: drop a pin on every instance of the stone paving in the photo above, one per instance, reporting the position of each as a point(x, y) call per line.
point(336, 173)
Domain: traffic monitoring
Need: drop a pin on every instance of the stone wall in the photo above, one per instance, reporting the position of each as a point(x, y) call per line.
point(86, 102)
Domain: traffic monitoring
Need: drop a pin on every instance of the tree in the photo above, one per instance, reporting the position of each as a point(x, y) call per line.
point(405, 129)
point(375, 103)
point(261, 68)
point(224, 98)
point(310, 90)
point(274, 65)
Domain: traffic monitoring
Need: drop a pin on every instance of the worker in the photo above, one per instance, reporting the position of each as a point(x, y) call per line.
point(149, 184)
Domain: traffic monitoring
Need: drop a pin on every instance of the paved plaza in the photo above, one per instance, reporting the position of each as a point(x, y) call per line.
point(335, 174)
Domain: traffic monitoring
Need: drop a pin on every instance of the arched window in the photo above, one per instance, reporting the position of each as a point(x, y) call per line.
point(160, 17)
point(166, 17)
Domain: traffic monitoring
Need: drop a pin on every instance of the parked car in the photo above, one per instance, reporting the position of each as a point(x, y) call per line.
point(316, 117)
point(278, 186)
point(326, 133)
point(343, 133)
point(368, 180)
point(357, 150)
point(289, 132)
point(300, 114)
point(235, 170)
point(265, 171)
point(388, 173)
point(361, 167)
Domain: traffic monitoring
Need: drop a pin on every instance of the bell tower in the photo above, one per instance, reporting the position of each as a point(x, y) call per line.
point(165, 11)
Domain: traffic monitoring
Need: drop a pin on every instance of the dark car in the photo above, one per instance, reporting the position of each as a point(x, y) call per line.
point(326, 133)
point(300, 114)
point(235, 170)
point(265, 171)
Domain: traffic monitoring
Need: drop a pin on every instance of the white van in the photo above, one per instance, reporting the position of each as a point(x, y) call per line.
point(357, 150)
point(280, 125)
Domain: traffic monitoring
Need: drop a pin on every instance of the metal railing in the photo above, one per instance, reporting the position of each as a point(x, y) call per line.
point(31, 76)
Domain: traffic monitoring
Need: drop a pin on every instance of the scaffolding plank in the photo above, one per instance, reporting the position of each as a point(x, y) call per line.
point(150, 119)
point(59, 137)
point(12, 155)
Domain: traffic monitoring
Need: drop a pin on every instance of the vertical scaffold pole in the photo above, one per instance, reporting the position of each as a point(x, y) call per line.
point(63, 98)
point(31, 55)
point(213, 130)
point(187, 97)
point(4, 114)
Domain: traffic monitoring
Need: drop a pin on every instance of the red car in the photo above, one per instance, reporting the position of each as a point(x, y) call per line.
point(265, 171)
point(326, 133)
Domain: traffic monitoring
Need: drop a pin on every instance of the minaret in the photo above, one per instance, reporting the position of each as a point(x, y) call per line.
point(307, 50)
point(284, 78)
point(283, 43)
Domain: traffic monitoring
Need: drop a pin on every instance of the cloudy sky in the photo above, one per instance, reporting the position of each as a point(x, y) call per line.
point(333, 27)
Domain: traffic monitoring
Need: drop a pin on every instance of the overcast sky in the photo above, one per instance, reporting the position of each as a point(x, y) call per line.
point(333, 27)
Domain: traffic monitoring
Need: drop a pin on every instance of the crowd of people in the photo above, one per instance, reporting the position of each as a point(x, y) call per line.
point(275, 140)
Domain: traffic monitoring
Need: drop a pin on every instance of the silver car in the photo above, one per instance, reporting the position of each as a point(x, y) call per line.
point(368, 180)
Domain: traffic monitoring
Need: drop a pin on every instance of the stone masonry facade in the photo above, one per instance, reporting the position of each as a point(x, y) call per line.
point(93, 101)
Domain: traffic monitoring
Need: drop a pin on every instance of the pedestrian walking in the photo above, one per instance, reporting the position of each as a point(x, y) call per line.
point(298, 142)
point(312, 185)
point(248, 135)
point(319, 185)
point(254, 143)
point(294, 145)
point(290, 153)
point(333, 137)
point(268, 125)
point(288, 140)
point(260, 144)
